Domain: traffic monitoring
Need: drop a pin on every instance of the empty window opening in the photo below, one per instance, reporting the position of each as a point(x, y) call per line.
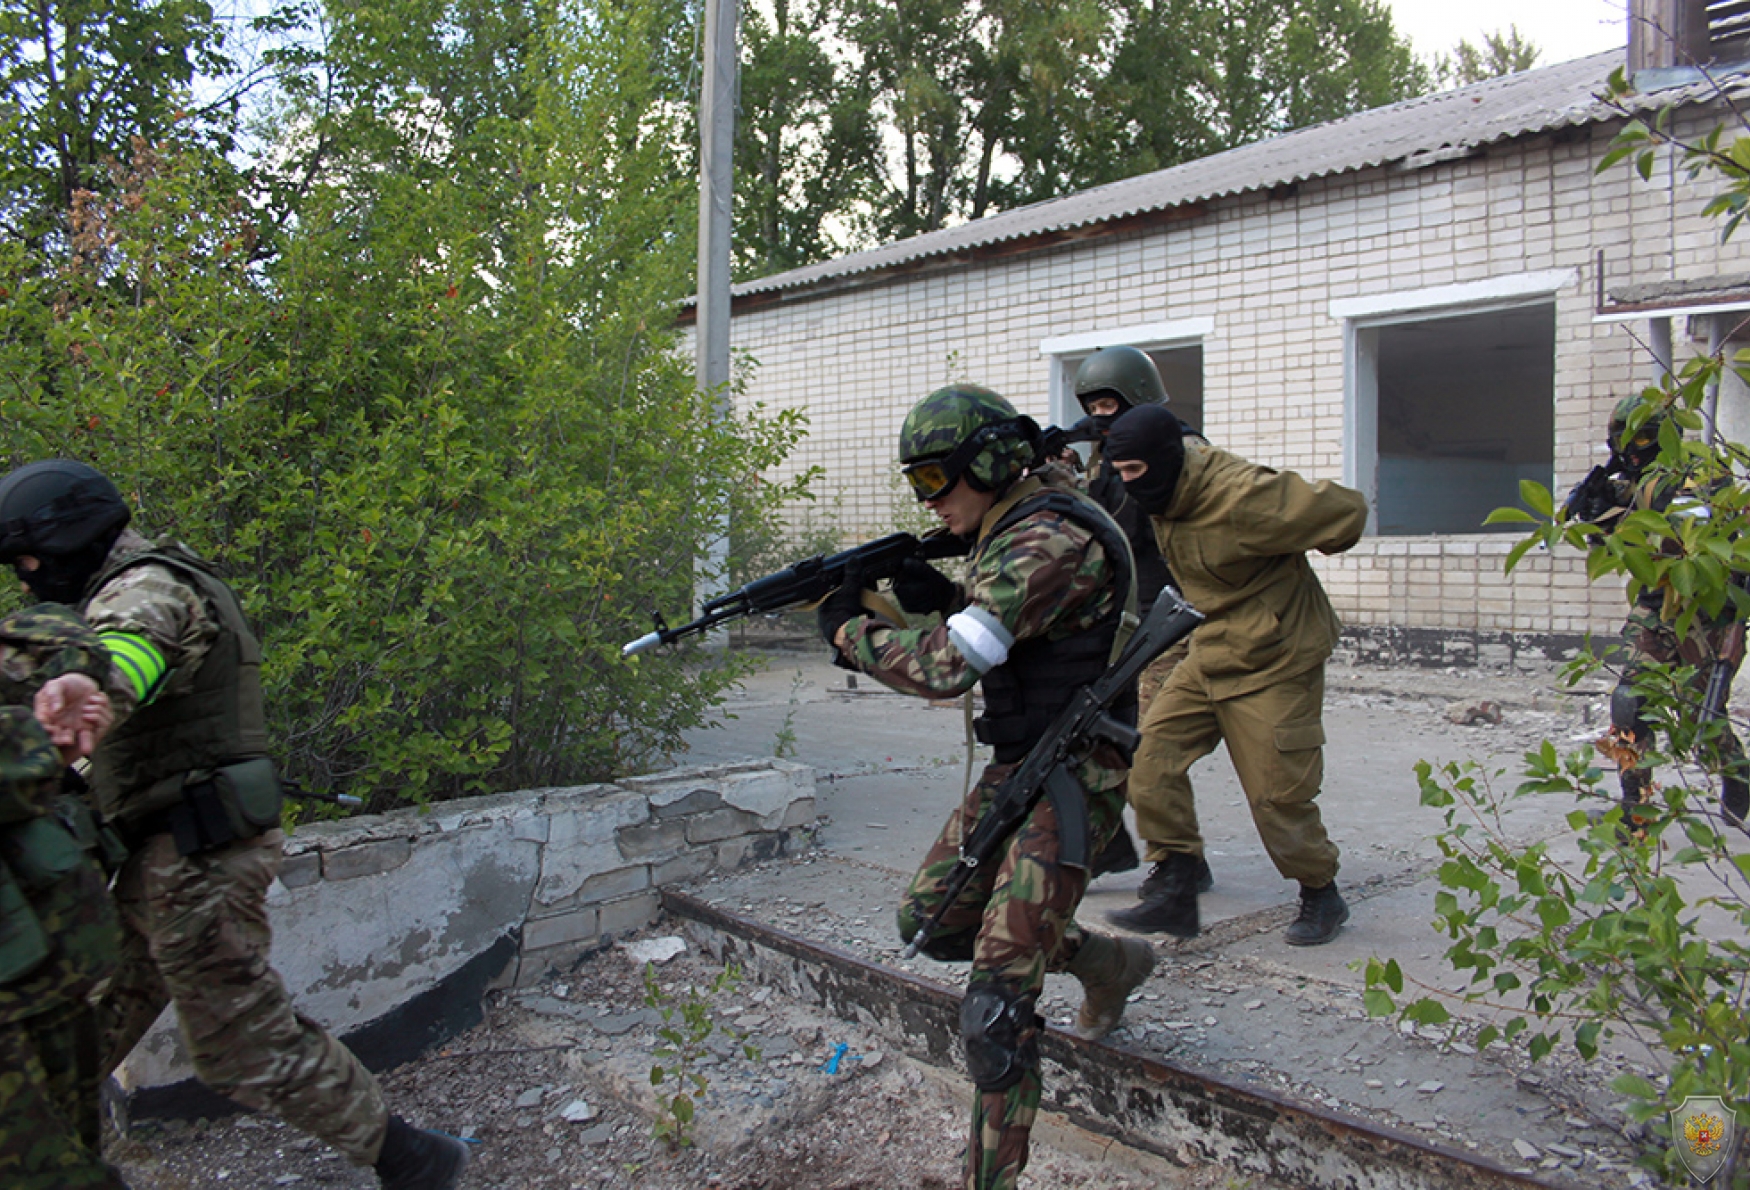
point(1465, 411)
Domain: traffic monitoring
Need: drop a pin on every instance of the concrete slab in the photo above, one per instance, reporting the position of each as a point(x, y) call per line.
point(1236, 1000)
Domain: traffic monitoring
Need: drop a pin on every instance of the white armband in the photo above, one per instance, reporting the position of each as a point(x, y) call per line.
point(980, 637)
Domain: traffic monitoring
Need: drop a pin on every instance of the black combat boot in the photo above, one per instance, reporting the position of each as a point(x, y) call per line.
point(414, 1159)
point(1173, 907)
point(1322, 913)
point(1109, 970)
point(1118, 855)
point(1156, 880)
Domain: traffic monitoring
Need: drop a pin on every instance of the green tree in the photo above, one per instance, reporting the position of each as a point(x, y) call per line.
point(1002, 103)
point(441, 435)
point(806, 145)
point(1500, 53)
point(81, 81)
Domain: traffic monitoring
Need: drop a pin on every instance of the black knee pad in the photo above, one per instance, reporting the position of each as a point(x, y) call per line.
point(1001, 1034)
point(1625, 709)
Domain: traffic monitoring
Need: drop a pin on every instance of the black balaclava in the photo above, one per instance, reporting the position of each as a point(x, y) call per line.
point(63, 578)
point(1149, 434)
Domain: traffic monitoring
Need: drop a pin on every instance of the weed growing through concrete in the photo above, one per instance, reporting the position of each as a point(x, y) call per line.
point(786, 741)
point(688, 1023)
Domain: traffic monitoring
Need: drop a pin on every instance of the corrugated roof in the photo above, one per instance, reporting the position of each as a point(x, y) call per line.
point(1430, 128)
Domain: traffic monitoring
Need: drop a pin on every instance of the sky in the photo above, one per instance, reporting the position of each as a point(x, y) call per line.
point(1562, 29)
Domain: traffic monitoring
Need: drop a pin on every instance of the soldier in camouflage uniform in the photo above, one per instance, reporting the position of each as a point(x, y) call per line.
point(185, 780)
point(1713, 645)
point(58, 930)
point(1107, 383)
point(1235, 535)
point(1036, 616)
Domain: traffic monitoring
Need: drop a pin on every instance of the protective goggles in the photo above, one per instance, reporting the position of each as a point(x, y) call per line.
point(930, 478)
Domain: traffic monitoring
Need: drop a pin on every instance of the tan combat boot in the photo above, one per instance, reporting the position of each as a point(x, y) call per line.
point(1110, 969)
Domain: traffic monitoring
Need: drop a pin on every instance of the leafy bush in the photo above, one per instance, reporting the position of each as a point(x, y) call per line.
point(433, 422)
point(1625, 934)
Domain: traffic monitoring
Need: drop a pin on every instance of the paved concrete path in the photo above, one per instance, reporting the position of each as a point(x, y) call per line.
point(1236, 1000)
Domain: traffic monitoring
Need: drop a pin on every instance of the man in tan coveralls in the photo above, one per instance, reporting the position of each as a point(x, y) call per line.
point(1235, 536)
point(185, 780)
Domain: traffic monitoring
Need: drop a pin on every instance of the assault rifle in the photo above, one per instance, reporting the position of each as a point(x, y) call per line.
point(1594, 495)
point(1046, 771)
point(1053, 441)
point(297, 792)
point(805, 583)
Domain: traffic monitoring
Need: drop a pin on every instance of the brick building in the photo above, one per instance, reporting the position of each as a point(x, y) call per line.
point(1429, 301)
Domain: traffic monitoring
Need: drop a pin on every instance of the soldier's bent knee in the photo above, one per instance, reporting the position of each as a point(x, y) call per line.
point(1001, 1035)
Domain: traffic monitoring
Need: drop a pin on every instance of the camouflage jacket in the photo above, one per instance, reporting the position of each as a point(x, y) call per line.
point(44, 642)
point(60, 882)
point(155, 602)
point(1235, 536)
point(1045, 575)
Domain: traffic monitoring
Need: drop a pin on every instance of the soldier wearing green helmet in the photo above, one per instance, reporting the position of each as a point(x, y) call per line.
point(1713, 644)
point(1036, 614)
point(1108, 383)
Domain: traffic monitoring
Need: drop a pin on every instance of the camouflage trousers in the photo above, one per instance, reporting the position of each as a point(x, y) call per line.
point(1275, 737)
point(48, 1103)
point(195, 933)
point(1014, 922)
point(50, 1045)
point(1651, 640)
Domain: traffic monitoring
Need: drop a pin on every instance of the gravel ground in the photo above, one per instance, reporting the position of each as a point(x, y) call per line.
point(553, 1090)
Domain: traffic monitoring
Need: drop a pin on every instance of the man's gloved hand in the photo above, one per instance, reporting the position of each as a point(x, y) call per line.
point(844, 604)
point(921, 588)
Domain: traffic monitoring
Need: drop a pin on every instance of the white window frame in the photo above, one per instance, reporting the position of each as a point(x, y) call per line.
point(1363, 317)
point(1066, 353)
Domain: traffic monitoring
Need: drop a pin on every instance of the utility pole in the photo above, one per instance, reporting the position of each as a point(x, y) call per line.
point(716, 193)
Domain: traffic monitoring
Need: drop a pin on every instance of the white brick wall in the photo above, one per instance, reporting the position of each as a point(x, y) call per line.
point(1267, 271)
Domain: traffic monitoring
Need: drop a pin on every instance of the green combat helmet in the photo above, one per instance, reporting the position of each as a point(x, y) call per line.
point(1124, 372)
point(965, 430)
point(1643, 447)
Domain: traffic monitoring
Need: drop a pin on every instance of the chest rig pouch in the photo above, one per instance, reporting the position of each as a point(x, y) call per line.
point(1023, 695)
point(211, 808)
point(34, 855)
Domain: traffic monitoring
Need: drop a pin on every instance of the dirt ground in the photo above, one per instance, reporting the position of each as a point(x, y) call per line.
point(553, 1092)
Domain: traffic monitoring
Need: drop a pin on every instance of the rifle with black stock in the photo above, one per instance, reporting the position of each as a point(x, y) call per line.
point(806, 583)
point(1046, 770)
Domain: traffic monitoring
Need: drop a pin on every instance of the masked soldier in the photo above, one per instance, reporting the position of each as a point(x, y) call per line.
point(58, 930)
point(1109, 382)
point(185, 780)
point(1714, 645)
point(1235, 535)
point(1036, 616)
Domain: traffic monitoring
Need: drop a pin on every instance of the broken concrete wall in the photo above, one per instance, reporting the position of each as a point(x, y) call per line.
point(388, 928)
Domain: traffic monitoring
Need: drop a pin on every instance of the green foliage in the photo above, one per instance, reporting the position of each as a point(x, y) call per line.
point(864, 121)
point(431, 418)
point(1626, 930)
point(688, 1023)
point(807, 150)
point(1500, 53)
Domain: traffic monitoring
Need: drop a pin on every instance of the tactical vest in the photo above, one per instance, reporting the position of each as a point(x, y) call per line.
point(1025, 693)
point(140, 767)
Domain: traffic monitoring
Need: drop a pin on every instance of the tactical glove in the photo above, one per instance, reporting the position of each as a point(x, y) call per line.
point(842, 605)
point(921, 588)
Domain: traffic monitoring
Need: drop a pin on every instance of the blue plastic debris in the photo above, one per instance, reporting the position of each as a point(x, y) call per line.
point(831, 1065)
